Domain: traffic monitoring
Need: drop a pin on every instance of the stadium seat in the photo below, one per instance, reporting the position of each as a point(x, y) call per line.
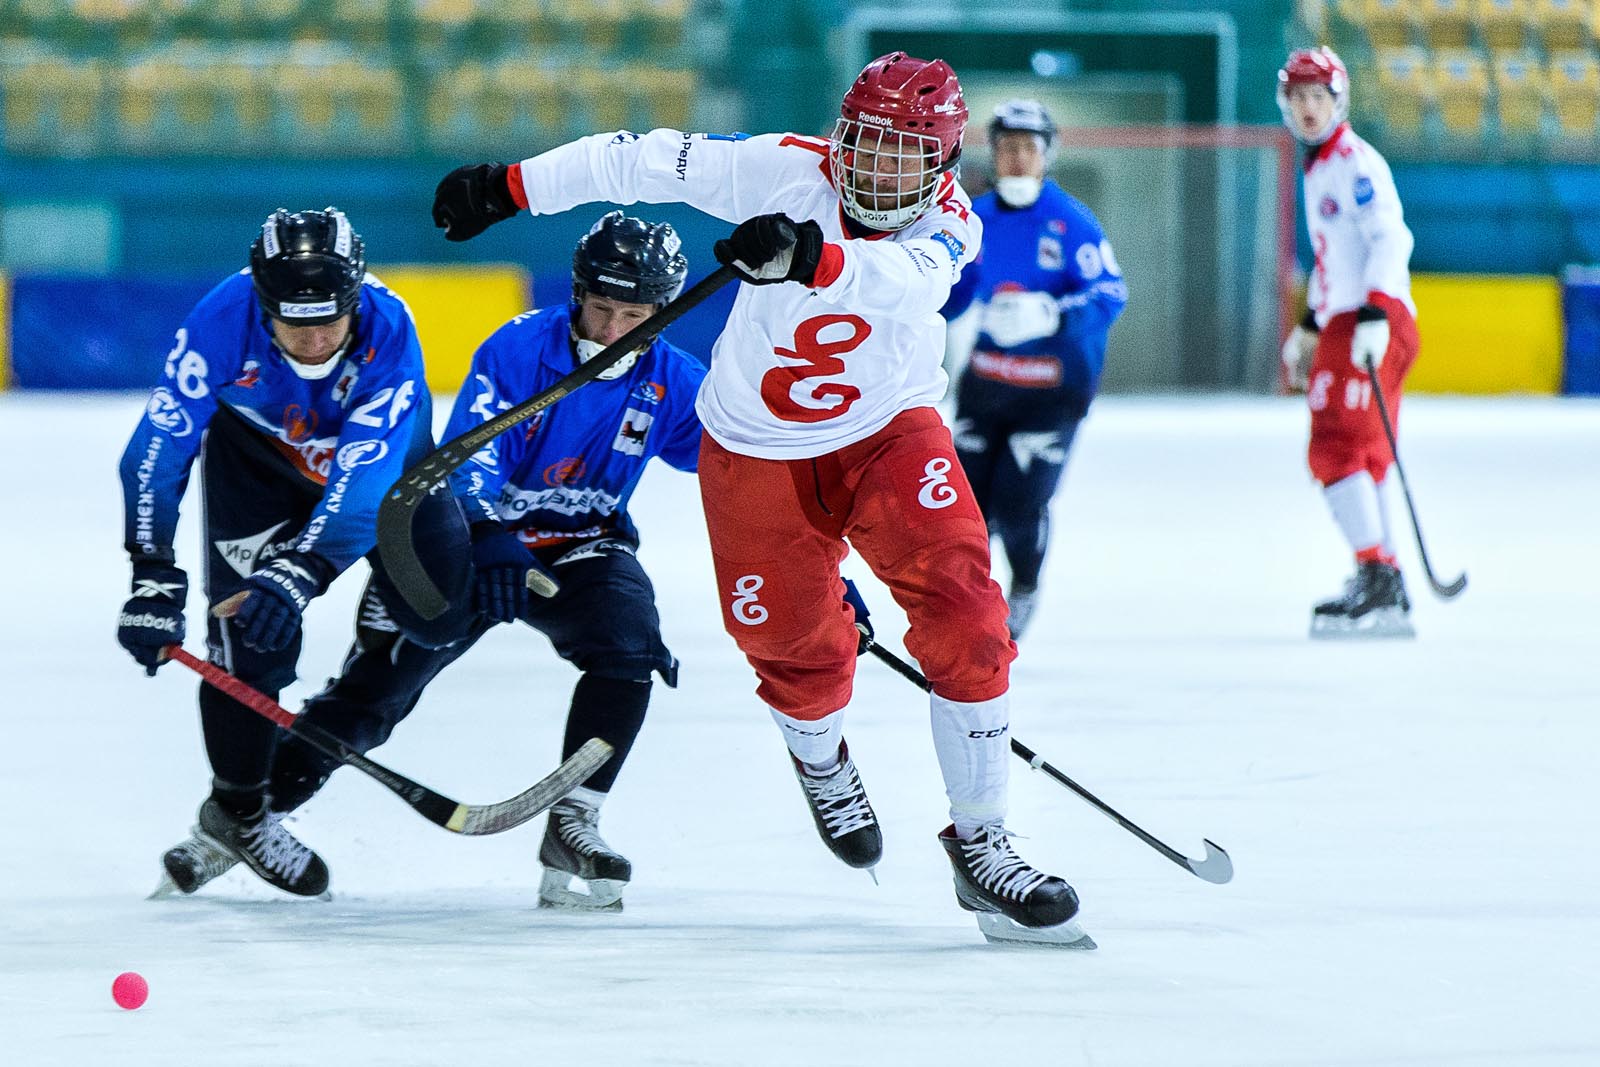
point(1505, 24)
point(1445, 23)
point(1520, 93)
point(1405, 86)
point(52, 104)
point(1461, 80)
point(1386, 23)
point(1564, 24)
point(1575, 91)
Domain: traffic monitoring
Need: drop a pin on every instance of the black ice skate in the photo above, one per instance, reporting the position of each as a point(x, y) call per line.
point(262, 843)
point(1013, 901)
point(1374, 604)
point(573, 848)
point(192, 863)
point(1020, 605)
point(843, 816)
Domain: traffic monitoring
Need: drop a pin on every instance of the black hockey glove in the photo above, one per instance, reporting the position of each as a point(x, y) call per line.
point(152, 618)
point(269, 618)
point(471, 199)
point(504, 572)
point(852, 596)
point(769, 249)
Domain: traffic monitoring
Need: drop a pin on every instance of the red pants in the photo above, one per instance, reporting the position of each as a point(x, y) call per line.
point(1346, 429)
point(777, 532)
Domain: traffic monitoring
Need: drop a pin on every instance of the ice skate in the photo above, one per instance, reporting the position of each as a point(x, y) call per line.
point(1374, 604)
point(1015, 903)
point(573, 849)
point(191, 864)
point(1020, 603)
point(266, 846)
point(842, 813)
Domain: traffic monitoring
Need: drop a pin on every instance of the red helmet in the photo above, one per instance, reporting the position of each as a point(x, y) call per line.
point(1315, 66)
point(899, 129)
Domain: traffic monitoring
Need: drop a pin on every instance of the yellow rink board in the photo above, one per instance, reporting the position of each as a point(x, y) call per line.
point(456, 308)
point(1487, 333)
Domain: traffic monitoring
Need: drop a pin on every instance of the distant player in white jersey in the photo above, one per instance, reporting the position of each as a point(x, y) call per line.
point(821, 435)
point(1360, 311)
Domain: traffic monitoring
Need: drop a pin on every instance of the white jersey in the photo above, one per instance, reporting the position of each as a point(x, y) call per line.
point(797, 372)
point(1358, 233)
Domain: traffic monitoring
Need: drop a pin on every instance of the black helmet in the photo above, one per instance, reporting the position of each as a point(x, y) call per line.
point(308, 266)
point(1022, 116)
point(628, 259)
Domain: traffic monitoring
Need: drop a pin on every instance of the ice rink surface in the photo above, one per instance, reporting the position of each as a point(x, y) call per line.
point(1413, 825)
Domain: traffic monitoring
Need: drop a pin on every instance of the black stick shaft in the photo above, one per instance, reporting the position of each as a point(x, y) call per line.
point(395, 514)
point(1446, 591)
point(1216, 867)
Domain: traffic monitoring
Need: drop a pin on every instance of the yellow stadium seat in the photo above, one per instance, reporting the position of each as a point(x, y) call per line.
point(1446, 23)
point(52, 104)
point(1387, 23)
point(1461, 80)
point(1564, 24)
point(1575, 91)
point(1405, 86)
point(1520, 92)
point(1504, 23)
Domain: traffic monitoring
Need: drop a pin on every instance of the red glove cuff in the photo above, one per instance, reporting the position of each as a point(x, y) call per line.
point(829, 266)
point(519, 195)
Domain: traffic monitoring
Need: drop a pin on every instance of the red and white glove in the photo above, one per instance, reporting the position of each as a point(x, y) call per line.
point(1298, 349)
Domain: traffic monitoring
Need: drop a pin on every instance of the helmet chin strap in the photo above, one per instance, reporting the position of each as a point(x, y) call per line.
point(318, 371)
point(587, 350)
point(1019, 191)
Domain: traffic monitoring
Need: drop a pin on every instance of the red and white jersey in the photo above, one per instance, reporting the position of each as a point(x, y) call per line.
point(797, 371)
point(1358, 234)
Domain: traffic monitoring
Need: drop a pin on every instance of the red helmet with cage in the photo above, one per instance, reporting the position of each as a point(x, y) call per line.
point(899, 130)
point(1315, 66)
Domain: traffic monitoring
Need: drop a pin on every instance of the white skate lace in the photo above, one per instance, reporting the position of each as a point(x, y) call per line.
point(578, 829)
point(995, 866)
point(840, 800)
point(276, 848)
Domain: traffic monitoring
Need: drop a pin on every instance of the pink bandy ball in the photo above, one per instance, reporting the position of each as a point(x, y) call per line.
point(129, 990)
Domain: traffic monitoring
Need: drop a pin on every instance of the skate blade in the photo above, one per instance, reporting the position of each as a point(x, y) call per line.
point(1382, 623)
point(604, 894)
point(165, 888)
point(999, 930)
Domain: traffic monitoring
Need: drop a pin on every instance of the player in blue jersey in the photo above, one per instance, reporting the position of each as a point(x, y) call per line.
point(1048, 289)
point(547, 502)
point(298, 384)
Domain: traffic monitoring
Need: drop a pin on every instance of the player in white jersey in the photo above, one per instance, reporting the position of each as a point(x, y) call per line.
point(1360, 311)
point(821, 435)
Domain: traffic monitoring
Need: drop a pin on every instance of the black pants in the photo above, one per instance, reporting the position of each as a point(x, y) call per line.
point(254, 506)
point(603, 621)
point(1013, 444)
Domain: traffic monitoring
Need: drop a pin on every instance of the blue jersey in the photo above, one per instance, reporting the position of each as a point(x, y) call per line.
point(1054, 247)
point(352, 433)
point(566, 475)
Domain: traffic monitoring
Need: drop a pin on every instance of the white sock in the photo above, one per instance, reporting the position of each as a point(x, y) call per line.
point(1383, 516)
point(589, 798)
point(973, 742)
point(1354, 503)
point(814, 742)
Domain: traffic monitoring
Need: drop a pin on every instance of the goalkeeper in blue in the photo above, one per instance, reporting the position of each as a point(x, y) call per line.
point(1043, 295)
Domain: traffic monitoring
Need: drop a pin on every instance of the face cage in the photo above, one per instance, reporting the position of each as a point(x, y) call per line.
point(1341, 111)
point(892, 147)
